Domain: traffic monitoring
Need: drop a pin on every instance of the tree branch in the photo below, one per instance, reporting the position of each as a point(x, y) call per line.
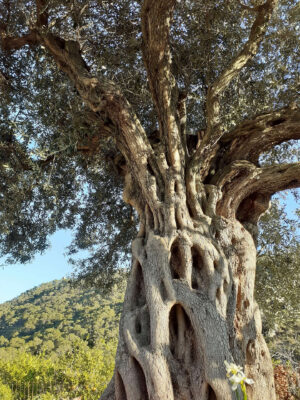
point(103, 97)
point(270, 181)
point(248, 189)
point(156, 15)
point(254, 137)
point(259, 27)
point(42, 15)
point(273, 179)
point(10, 43)
point(213, 133)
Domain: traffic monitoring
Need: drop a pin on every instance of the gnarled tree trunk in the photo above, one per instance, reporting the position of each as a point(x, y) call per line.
point(189, 304)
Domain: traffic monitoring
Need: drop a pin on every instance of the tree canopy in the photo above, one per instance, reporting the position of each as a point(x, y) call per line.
point(60, 166)
point(59, 163)
point(187, 106)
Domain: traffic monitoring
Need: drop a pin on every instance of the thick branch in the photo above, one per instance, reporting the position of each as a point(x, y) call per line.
point(156, 16)
point(256, 136)
point(213, 133)
point(9, 43)
point(105, 98)
point(12, 43)
point(42, 15)
point(270, 181)
point(276, 178)
point(248, 189)
point(264, 13)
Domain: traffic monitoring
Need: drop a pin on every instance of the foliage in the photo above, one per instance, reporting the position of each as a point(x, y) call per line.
point(49, 318)
point(54, 171)
point(59, 339)
point(278, 282)
point(82, 371)
point(74, 361)
point(5, 392)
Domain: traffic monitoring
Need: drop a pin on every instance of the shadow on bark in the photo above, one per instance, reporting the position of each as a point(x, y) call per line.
point(211, 394)
point(140, 377)
point(176, 262)
point(182, 338)
point(120, 388)
point(198, 273)
point(138, 298)
point(142, 326)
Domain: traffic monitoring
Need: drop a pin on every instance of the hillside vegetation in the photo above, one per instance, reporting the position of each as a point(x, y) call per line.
point(58, 341)
point(47, 318)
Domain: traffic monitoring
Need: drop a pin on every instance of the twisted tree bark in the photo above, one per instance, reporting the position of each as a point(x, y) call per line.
point(189, 304)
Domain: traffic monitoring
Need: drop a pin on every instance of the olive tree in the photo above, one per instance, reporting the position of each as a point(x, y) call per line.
point(174, 103)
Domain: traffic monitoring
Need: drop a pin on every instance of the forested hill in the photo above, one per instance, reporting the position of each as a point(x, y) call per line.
point(60, 341)
point(57, 341)
point(49, 317)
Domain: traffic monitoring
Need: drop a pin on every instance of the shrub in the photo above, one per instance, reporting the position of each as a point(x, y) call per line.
point(5, 392)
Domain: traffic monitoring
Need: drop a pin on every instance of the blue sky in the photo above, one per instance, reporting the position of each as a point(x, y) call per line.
point(16, 279)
